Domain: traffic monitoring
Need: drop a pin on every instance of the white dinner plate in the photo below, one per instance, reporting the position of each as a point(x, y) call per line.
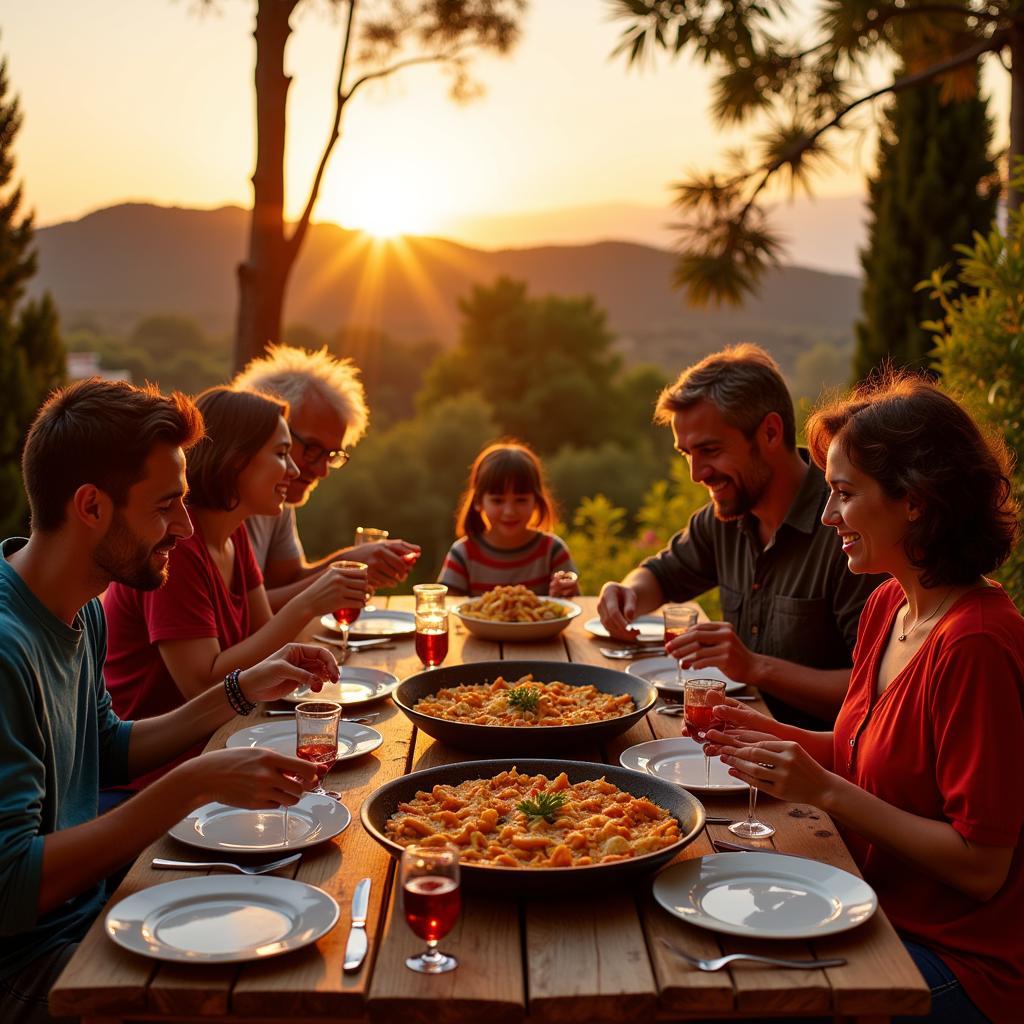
point(680, 760)
point(354, 739)
point(355, 685)
point(373, 625)
point(220, 919)
point(215, 826)
point(765, 895)
point(651, 627)
point(662, 672)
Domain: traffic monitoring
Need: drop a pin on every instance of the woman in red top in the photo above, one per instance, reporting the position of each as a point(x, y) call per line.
point(167, 645)
point(924, 772)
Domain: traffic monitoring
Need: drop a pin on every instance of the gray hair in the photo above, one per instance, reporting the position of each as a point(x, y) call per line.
point(742, 382)
point(294, 373)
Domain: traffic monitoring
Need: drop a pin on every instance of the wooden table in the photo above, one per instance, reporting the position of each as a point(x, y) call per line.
point(548, 959)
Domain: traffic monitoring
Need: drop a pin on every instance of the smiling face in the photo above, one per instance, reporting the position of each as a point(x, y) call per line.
point(263, 485)
point(322, 430)
point(723, 459)
point(508, 517)
point(136, 546)
point(872, 525)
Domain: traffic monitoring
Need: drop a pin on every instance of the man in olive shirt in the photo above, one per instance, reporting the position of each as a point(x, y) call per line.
point(790, 604)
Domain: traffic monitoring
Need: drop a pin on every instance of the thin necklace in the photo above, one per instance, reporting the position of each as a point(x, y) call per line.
point(903, 636)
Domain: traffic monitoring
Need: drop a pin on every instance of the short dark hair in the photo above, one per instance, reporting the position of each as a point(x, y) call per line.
point(508, 465)
point(917, 441)
point(742, 382)
point(99, 432)
point(238, 424)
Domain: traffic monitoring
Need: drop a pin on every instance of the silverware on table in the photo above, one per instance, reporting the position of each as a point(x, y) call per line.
point(353, 645)
point(718, 962)
point(355, 948)
point(631, 653)
point(244, 869)
point(710, 819)
point(726, 847)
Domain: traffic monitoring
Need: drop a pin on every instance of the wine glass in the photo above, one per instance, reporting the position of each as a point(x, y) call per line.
point(431, 623)
point(431, 900)
point(752, 828)
point(370, 535)
point(316, 738)
point(679, 619)
point(344, 617)
point(699, 699)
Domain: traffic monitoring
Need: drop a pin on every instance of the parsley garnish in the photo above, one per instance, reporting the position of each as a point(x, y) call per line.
point(544, 805)
point(526, 698)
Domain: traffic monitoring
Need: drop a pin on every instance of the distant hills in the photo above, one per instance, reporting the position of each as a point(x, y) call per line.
point(119, 264)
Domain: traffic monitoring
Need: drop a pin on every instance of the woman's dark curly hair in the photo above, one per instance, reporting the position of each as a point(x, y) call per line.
point(916, 441)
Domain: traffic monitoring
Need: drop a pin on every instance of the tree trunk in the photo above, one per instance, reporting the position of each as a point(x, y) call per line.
point(263, 276)
point(1013, 198)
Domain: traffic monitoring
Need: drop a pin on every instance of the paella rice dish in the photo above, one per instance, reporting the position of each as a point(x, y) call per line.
point(524, 702)
point(528, 821)
point(513, 604)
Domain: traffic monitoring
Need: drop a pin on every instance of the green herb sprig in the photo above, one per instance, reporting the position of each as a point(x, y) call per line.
point(525, 698)
point(543, 805)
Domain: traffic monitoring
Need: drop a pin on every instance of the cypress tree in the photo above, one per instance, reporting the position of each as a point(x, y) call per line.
point(934, 186)
point(31, 353)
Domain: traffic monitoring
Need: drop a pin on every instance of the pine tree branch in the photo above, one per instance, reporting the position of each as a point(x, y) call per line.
point(340, 99)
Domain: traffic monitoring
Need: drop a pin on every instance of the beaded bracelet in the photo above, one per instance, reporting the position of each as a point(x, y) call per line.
point(238, 701)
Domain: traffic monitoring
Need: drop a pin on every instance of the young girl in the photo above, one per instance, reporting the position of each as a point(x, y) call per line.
point(503, 522)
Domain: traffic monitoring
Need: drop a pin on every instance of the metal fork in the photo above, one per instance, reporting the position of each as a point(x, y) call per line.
point(632, 653)
point(718, 962)
point(242, 869)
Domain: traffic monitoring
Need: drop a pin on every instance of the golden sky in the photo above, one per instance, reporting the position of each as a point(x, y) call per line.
point(153, 100)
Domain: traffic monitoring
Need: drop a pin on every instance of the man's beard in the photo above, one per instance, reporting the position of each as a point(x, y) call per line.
point(126, 559)
point(749, 489)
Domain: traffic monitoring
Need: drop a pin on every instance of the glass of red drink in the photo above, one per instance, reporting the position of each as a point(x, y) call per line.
point(699, 699)
point(316, 738)
point(344, 617)
point(431, 623)
point(431, 901)
point(679, 619)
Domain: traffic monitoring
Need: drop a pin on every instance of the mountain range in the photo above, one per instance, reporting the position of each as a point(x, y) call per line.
point(116, 265)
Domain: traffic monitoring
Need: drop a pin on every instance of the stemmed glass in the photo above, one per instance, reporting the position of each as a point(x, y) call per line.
point(316, 738)
point(370, 535)
point(752, 828)
point(431, 623)
point(679, 619)
point(431, 900)
point(699, 699)
point(344, 617)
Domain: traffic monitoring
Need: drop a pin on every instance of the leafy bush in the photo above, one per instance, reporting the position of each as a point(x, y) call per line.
point(979, 349)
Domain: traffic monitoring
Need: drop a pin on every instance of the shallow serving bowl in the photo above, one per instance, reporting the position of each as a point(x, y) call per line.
point(490, 629)
point(532, 739)
point(597, 878)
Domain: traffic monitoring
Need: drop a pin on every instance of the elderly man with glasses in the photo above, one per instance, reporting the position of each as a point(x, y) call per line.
point(327, 416)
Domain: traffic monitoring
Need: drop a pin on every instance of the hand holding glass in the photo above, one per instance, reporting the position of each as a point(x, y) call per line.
point(431, 901)
point(699, 700)
point(316, 738)
point(679, 619)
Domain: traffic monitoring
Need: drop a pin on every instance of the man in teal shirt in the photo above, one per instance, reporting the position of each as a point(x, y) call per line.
point(104, 469)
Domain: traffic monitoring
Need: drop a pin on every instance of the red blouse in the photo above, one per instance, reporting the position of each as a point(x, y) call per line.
point(945, 741)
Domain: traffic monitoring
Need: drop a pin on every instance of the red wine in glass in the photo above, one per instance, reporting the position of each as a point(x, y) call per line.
point(432, 904)
point(699, 717)
point(432, 646)
point(346, 616)
point(321, 755)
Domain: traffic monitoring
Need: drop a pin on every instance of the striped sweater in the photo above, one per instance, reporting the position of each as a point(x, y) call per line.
point(472, 566)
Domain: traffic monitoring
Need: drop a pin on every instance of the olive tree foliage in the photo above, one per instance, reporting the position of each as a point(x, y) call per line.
point(979, 345)
point(803, 84)
point(378, 38)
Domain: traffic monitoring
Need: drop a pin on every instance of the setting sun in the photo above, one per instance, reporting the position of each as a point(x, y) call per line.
point(385, 206)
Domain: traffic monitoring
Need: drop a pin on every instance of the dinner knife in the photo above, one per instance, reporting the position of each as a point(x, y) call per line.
point(355, 948)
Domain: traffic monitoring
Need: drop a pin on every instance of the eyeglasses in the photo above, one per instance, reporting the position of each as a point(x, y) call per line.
point(312, 453)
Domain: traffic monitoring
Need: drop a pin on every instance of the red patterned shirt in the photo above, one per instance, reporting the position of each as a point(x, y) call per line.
point(472, 566)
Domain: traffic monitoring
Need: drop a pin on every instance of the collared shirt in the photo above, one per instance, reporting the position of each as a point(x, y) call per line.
point(793, 599)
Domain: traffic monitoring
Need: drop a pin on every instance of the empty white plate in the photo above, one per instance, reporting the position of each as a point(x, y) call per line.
point(662, 672)
point(680, 760)
point(215, 826)
point(372, 625)
point(765, 895)
point(355, 685)
point(221, 919)
point(354, 739)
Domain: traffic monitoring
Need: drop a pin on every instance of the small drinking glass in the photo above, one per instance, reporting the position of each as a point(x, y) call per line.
point(344, 617)
point(316, 738)
point(679, 619)
point(699, 699)
point(431, 901)
point(370, 535)
point(752, 828)
point(431, 623)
